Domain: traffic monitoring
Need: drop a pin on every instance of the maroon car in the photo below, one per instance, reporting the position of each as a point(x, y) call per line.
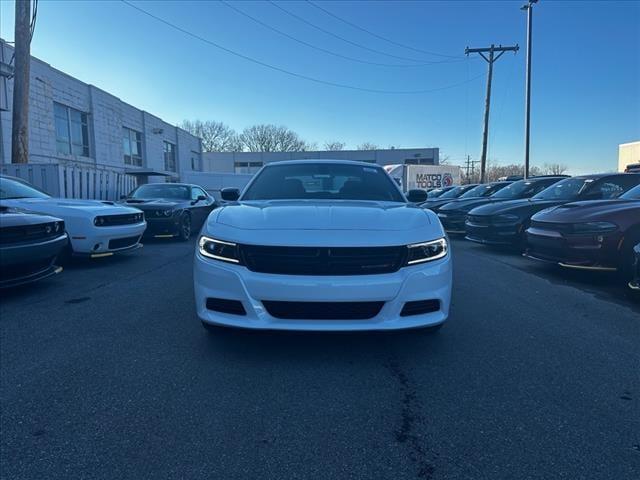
point(591, 235)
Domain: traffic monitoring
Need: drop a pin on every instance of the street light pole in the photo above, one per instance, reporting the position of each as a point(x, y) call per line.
point(527, 116)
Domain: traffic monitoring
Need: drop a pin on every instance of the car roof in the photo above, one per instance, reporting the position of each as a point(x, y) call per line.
point(324, 160)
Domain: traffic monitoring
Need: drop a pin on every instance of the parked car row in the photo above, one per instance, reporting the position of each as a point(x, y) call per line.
point(38, 231)
point(589, 222)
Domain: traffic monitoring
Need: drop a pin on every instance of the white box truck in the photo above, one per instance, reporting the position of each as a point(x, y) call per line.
point(424, 177)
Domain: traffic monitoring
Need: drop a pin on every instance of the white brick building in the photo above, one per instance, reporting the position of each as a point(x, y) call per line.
point(85, 130)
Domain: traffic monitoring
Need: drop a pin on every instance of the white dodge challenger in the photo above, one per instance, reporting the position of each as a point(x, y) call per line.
point(95, 228)
point(322, 245)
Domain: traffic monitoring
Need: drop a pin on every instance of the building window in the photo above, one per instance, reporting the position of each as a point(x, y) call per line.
point(169, 157)
point(72, 131)
point(132, 145)
point(247, 167)
point(195, 161)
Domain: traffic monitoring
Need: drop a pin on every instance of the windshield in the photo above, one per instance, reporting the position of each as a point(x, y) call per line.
point(483, 190)
point(166, 190)
point(436, 192)
point(456, 191)
point(566, 189)
point(515, 190)
point(315, 181)
point(13, 189)
point(633, 194)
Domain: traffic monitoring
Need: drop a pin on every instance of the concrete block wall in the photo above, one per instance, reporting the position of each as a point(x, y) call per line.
point(107, 115)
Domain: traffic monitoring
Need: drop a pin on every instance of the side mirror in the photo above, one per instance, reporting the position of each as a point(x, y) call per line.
point(417, 196)
point(201, 198)
point(123, 197)
point(230, 194)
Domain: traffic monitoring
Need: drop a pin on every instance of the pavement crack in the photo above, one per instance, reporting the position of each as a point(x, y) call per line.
point(406, 433)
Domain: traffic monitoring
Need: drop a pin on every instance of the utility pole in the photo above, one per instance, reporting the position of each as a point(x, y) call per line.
point(527, 115)
point(490, 60)
point(22, 52)
point(470, 165)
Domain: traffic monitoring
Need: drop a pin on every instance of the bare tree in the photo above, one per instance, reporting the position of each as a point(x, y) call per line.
point(216, 136)
point(368, 146)
point(494, 172)
point(271, 138)
point(554, 168)
point(334, 146)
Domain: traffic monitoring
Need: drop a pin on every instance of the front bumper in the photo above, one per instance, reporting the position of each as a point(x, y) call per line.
point(20, 264)
point(428, 281)
point(588, 252)
point(163, 227)
point(453, 223)
point(493, 234)
point(105, 241)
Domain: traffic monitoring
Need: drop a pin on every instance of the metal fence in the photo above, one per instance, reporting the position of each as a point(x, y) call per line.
point(70, 181)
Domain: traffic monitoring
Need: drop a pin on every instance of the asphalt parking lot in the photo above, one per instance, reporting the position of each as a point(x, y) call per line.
point(106, 373)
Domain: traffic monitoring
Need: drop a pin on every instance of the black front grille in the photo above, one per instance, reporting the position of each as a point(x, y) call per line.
point(478, 220)
point(323, 310)
point(121, 219)
point(551, 226)
point(222, 305)
point(420, 307)
point(122, 243)
point(323, 260)
point(28, 233)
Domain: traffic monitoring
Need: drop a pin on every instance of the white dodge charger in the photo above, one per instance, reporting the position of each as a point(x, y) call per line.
point(95, 228)
point(322, 245)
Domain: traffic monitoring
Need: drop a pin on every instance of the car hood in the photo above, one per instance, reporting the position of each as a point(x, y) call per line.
point(594, 210)
point(12, 217)
point(151, 204)
point(514, 206)
point(466, 204)
point(323, 222)
point(437, 204)
point(68, 206)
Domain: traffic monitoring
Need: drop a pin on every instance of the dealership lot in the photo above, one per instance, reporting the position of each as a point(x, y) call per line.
point(107, 373)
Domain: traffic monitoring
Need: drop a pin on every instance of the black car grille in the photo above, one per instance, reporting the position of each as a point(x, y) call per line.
point(323, 310)
point(29, 233)
point(122, 242)
point(323, 260)
point(121, 219)
point(478, 220)
point(551, 226)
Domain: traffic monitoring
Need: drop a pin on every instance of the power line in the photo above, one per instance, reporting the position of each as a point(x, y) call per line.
point(288, 72)
point(359, 45)
point(393, 42)
point(315, 47)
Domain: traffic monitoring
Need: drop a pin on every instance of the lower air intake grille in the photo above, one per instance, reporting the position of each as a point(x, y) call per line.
point(420, 307)
point(234, 307)
point(323, 310)
point(122, 243)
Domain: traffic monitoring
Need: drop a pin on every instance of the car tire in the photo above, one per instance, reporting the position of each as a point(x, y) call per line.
point(626, 257)
point(184, 230)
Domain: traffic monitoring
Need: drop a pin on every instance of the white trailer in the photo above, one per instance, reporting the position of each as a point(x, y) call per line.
point(425, 177)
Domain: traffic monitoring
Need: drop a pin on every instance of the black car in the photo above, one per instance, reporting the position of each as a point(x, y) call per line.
point(29, 245)
point(479, 191)
point(171, 209)
point(635, 283)
point(446, 197)
point(454, 214)
point(504, 223)
point(436, 192)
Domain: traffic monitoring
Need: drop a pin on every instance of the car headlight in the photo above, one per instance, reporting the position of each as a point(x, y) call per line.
point(98, 221)
point(593, 227)
point(168, 212)
point(219, 249)
point(57, 227)
point(427, 251)
point(506, 218)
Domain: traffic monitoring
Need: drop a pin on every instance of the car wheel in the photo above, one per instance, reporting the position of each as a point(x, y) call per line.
point(184, 232)
point(627, 257)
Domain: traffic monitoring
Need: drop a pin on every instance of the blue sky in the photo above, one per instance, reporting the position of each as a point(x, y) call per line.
point(586, 70)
